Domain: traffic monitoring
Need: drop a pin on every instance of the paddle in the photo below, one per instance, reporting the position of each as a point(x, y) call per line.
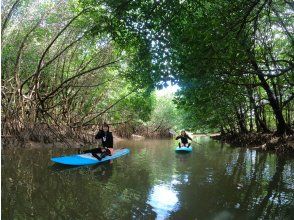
point(174, 133)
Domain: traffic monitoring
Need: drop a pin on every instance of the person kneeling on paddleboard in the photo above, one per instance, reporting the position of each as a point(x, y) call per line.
point(184, 139)
point(107, 143)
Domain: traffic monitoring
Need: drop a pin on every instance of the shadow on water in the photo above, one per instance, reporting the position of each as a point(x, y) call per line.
point(183, 152)
point(62, 167)
point(183, 157)
point(102, 172)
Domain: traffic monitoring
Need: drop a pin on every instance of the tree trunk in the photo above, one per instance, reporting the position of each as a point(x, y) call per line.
point(282, 127)
point(251, 118)
point(241, 120)
point(260, 125)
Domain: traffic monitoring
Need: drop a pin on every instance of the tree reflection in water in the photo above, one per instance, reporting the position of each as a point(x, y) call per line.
point(212, 182)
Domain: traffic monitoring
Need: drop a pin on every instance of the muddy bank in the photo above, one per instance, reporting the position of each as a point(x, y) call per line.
point(41, 136)
point(266, 142)
point(50, 136)
point(70, 143)
point(44, 135)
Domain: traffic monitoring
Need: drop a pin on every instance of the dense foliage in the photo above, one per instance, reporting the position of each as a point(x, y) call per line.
point(77, 63)
point(235, 68)
point(58, 71)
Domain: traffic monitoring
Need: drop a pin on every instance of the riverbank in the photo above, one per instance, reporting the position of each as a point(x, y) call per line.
point(69, 143)
point(42, 135)
point(265, 142)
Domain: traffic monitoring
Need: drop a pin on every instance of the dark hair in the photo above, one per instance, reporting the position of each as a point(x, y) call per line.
point(105, 125)
point(183, 131)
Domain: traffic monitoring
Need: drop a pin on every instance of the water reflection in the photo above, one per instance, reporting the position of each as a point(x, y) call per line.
point(102, 171)
point(164, 199)
point(152, 182)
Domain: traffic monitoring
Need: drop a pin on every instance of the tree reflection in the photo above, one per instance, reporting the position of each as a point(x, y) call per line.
point(238, 183)
point(211, 182)
point(269, 203)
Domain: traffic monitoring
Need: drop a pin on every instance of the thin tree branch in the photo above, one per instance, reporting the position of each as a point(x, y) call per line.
point(8, 16)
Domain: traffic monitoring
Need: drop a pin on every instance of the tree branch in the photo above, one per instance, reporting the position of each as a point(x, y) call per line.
point(75, 76)
point(109, 107)
point(8, 16)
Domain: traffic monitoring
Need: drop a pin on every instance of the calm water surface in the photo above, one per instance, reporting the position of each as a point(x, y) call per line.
point(153, 182)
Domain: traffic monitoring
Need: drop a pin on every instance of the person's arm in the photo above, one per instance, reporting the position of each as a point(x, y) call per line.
point(99, 134)
point(178, 137)
point(189, 137)
point(111, 139)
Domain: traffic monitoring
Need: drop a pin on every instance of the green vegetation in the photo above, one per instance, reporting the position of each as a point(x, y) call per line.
point(74, 65)
point(58, 72)
point(236, 67)
point(164, 117)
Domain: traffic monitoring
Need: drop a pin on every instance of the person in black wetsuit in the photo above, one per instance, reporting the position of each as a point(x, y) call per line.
point(107, 143)
point(184, 139)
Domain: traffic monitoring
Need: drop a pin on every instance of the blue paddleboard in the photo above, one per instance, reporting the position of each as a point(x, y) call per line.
point(184, 149)
point(88, 159)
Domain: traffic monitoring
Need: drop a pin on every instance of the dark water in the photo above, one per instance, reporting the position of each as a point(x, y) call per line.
point(153, 182)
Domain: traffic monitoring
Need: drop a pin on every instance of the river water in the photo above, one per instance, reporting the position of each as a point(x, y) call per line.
point(215, 182)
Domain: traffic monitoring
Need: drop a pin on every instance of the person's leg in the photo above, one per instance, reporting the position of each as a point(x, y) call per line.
point(96, 156)
point(95, 150)
point(105, 153)
point(111, 151)
point(108, 152)
point(179, 145)
point(189, 144)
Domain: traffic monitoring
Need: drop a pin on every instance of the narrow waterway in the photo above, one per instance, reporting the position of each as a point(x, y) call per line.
point(214, 181)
